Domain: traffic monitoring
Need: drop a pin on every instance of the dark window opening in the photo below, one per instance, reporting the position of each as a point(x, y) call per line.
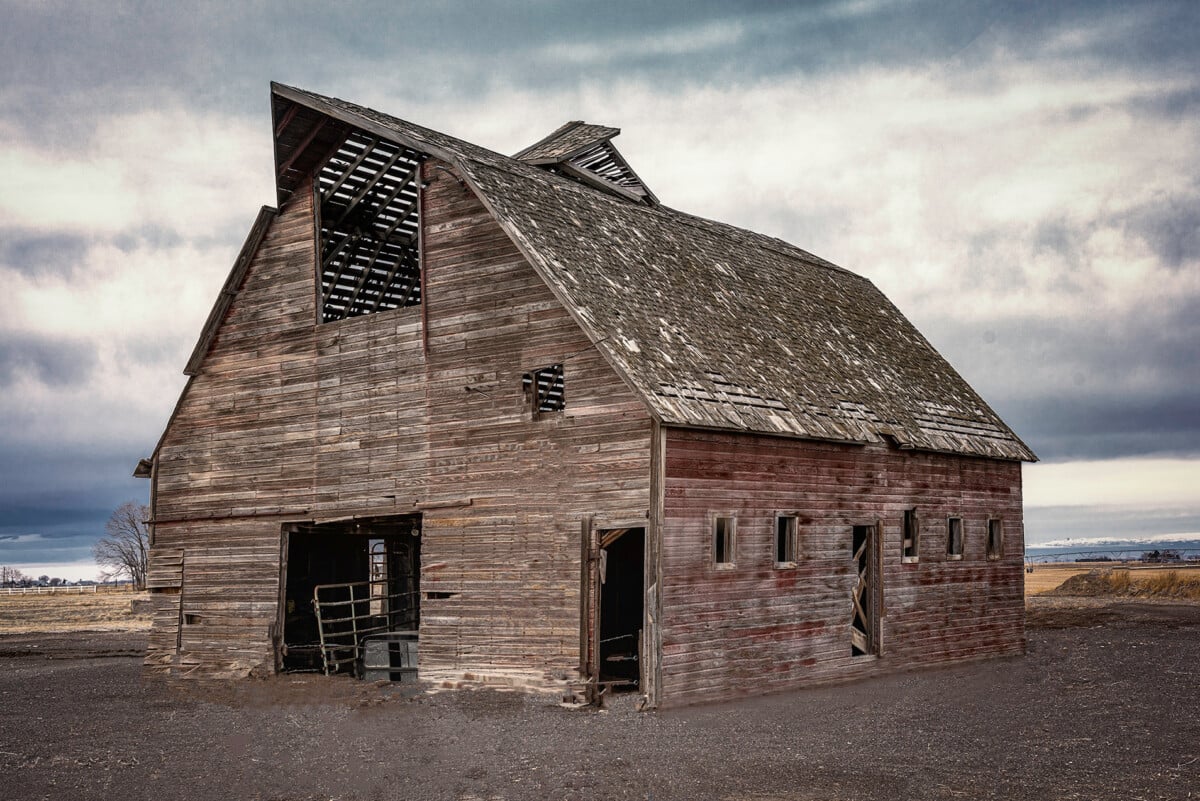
point(545, 389)
point(954, 538)
point(912, 536)
point(190, 619)
point(723, 540)
point(347, 586)
point(995, 538)
point(785, 539)
point(368, 201)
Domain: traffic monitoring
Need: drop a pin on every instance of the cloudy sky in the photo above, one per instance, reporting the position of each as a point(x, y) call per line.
point(1021, 178)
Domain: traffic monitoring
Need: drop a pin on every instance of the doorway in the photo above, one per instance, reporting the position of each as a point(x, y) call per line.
point(622, 597)
point(345, 583)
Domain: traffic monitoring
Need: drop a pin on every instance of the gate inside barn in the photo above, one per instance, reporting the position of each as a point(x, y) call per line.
point(345, 585)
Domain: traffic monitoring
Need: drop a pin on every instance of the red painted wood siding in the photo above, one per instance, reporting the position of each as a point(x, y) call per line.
point(756, 628)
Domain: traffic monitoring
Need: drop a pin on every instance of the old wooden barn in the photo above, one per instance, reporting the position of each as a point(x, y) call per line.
point(516, 411)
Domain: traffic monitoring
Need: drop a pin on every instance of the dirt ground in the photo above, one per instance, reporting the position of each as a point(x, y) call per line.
point(1102, 707)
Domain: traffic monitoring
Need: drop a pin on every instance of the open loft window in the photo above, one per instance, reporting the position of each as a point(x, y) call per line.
point(545, 389)
point(368, 214)
point(911, 550)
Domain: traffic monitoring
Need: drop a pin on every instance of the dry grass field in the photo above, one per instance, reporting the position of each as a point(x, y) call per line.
point(56, 613)
point(1051, 575)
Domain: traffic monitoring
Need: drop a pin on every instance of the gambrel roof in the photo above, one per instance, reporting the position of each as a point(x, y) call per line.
point(713, 326)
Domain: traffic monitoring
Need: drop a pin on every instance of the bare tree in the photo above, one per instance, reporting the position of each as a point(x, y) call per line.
point(123, 549)
point(10, 576)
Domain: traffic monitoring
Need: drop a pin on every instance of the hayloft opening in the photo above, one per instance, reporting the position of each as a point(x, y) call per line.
point(348, 585)
point(368, 214)
point(622, 581)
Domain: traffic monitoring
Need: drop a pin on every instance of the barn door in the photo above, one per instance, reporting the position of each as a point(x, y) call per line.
point(866, 594)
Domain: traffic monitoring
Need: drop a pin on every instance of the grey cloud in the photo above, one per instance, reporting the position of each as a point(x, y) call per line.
point(36, 253)
point(147, 236)
point(1171, 226)
point(1118, 386)
point(63, 63)
point(53, 361)
point(62, 492)
point(169, 352)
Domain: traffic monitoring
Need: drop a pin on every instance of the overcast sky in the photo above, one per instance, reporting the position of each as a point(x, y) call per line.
point(1021, 178)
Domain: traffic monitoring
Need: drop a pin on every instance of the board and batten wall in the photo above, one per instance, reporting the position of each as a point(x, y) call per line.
point(409, 410)
point(755, 628)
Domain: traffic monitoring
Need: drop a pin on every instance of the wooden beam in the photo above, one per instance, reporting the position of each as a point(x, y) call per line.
point(362, 281)
point(287, 119)
point(338, 247)
point(368, 186)
point(387, 201)
point(387, 282)
point(402, 216)
point(585, 547)
point(350, 170)
point(300, 148)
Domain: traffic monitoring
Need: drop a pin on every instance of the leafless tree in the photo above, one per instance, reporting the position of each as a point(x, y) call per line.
point(10, 576)
point(123, 549)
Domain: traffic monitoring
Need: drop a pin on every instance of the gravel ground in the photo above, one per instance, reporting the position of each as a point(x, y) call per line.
point(1104, 706)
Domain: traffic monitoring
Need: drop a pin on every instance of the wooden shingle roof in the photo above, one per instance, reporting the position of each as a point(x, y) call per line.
point(715, 326)
point(569, 140)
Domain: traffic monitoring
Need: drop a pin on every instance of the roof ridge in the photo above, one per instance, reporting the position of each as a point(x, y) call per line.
point(775, 244)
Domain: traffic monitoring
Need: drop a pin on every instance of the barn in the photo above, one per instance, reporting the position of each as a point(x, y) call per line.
point(469, 417)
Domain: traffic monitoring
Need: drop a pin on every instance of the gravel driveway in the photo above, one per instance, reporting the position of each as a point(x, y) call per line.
point(1104, 706)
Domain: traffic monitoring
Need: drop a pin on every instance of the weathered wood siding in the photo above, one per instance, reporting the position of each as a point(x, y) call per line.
point(512, 556)
point(400, 411)
point(756, 628)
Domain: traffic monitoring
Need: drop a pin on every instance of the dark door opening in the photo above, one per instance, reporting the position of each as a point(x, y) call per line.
point(622, 594)
point(345, 583)
point(864, 618)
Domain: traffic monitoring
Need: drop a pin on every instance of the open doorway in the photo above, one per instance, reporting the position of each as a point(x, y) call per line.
point(622, 594)
point(346, 584)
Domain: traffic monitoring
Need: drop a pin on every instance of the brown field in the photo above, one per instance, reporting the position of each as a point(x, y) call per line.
point(57, 613)
point(1048, 576)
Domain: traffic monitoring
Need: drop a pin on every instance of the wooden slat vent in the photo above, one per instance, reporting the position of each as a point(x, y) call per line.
point(550, 393)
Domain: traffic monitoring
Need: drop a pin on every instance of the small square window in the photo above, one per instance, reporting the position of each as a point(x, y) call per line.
point(785, 540)
point(912, 537)
point(545, 389)
point(995, 538)
point(724, 533)
point(954, 538)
